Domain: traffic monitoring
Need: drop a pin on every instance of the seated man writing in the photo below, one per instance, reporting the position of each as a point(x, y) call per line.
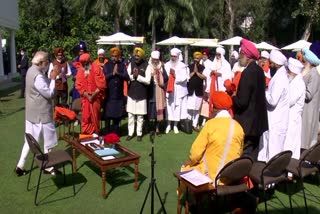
point(219, 142)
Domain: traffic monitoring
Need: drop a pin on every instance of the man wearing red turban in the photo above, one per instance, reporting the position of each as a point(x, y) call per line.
point(249, 103)
point(91, 84)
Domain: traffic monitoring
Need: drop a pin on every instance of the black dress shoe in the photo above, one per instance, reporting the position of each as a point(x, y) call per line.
point(20, 171)
point(139, 138)
point(129, 138)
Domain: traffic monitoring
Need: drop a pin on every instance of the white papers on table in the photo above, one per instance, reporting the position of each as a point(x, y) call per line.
point(84, 142)
point(110, 157)
point(196, 177)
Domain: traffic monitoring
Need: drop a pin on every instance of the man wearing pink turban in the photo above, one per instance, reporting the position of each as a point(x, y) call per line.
point(249, 103)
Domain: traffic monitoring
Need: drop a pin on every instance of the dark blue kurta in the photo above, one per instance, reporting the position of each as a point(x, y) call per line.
point(114, 92)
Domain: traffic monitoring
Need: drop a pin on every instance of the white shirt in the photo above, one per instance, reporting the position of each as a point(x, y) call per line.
point(68, 74)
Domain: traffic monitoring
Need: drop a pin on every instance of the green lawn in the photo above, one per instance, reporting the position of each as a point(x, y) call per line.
point(170, 152)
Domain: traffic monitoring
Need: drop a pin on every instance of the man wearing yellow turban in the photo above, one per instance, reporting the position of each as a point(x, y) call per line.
point(195, 89)
point(140, 78)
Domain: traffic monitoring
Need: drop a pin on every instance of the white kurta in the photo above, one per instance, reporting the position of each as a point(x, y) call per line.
point(297, 97)
point(177, 100)
point(208, 65)
point(310, 115)
point(138, 107)
point(277, 97)
point(225, 69)
point(48, 130)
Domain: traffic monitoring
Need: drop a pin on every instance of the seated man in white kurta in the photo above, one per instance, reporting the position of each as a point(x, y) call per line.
point(177, 99)
point(140, 77)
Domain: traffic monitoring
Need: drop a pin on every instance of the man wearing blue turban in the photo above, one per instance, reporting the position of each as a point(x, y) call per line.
point(311, 77)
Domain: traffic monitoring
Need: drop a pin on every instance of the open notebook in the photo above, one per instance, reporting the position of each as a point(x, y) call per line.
point(195, 177)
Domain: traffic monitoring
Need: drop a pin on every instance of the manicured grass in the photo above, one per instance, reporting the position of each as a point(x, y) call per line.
point(170, 152)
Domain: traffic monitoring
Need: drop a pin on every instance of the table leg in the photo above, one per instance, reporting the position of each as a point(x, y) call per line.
point(74, 159)
point(187, 201)
point(136, 174)
point(178, 195)
point(104, 194)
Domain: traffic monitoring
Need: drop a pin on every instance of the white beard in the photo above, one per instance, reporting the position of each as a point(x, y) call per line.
point(305, 71)
point(87, 69)
point(174, 63)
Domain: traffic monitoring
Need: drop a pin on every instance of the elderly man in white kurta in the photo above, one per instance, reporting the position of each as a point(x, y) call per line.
point(39, 111)
point(310, 115)
point(221, 69)
point(177, 98)
point(277, 96)
point(297, 89)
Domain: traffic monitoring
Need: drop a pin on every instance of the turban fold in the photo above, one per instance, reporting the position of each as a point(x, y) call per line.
point(175, 52)
point(277, 57)
point(84, 58)
point(265, 54)
point(115, 51)
point(310, 56)
point(220, 50)
point(235, 54)
point(295, 66)
point(57, 51)
point(139, 51)
point(101, 51)
point(221, 100)
point(249, 49)
point(155, 55)
point(206, 52)
point(197, 53)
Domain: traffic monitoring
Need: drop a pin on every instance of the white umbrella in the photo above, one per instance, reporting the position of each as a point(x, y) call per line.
point(174, 41)
point(206, 43)
point(120, 39)
point(232, 41)
point(297, 45)
point(266, 46)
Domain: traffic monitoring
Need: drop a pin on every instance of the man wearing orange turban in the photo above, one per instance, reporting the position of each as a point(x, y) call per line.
point(249, 103)
point(91, 84)
point(140, 78)
point(61, 64)
point(212, 149)
point(116, 73)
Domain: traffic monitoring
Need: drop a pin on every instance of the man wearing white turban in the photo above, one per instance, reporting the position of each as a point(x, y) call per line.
point(221, 69)
point(177, 92)
point(310, 115)
point(297, 95)
point(277, 96)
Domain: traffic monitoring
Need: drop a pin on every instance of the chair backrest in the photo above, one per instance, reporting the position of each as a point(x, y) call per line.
point(313, 154)
point(76, 105)
point(33, 144)
point(277, 165)
point(234, 171)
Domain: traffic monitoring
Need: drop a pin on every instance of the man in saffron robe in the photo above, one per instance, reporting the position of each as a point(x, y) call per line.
point(102, 60)
point(91, 84)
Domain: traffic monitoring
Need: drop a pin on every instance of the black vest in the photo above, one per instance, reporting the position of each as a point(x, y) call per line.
point(138, 90)
point(195, 83)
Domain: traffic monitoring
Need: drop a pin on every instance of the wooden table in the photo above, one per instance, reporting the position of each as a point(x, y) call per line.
point(197, 190)
point(129, 157)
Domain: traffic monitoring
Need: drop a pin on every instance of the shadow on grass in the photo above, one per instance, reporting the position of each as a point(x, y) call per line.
point(118, 176)
point(7, 114)
point(9, 91)
point(75, 179)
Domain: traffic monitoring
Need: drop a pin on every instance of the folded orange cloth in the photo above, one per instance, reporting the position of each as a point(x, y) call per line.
point(170, 87)
point(84, 136)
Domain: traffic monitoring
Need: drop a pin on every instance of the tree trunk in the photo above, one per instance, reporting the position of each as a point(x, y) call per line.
point(117, 23)
point(154, 34)
point(307, 30)
point(231, 23)
point(135, 20)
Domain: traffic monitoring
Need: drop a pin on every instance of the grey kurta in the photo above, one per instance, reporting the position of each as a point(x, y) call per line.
point(310, 115)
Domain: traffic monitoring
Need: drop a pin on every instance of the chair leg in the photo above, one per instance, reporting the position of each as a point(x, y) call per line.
point(72, 175)
point(36, 196)
point(289, 194)
point(29, 178)
point(265, 201)
point(304, 195)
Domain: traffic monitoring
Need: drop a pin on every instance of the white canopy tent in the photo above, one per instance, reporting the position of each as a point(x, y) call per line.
point(206, 43)
point(297, 45)
point(232, 41)
point(119, 39)
point(266, 46)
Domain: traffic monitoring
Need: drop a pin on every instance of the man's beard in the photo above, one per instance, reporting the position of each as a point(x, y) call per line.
point(101, 59)
point(87, 69)
point(174, 62)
